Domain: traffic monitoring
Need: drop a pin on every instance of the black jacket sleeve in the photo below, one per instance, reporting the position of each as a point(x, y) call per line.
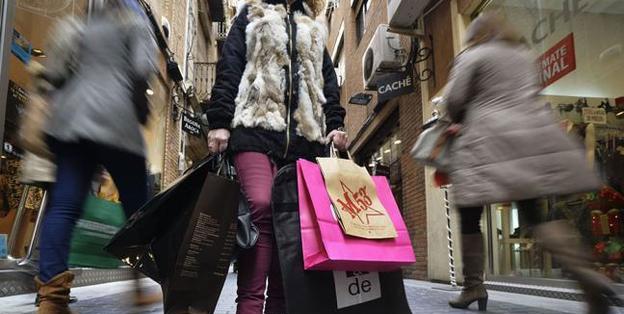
point(334, 113)
point(220, 109)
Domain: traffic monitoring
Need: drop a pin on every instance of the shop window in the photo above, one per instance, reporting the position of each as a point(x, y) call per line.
point(385, 161)
point(579, 51)
point(19, 203)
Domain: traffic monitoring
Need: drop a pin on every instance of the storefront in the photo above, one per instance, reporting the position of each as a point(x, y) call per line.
point(20, 204)
point(579, 46)
point(382, 155)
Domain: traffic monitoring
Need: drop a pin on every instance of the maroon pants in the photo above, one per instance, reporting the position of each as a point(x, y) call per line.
point(256, 173)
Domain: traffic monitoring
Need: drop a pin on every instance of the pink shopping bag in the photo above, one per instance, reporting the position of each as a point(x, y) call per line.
point(326, 247)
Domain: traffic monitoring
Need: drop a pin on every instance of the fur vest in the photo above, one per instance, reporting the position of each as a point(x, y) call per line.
point(261, 99)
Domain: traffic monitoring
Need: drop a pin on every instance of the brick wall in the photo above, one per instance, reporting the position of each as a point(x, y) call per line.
point(203, 50)
point(413, 177)
point(410, 116)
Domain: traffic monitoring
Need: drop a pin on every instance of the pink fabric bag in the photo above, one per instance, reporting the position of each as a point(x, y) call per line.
point(326, 247)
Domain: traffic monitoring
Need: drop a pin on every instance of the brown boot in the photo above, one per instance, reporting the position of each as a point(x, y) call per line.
point(473, 256)
point(143, 298)
point(564, 243)
point(54, 294)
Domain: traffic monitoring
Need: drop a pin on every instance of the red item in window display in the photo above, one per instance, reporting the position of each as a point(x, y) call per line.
point(597, 229)
point(599, 250)
point(615, 221)
point(609, 194)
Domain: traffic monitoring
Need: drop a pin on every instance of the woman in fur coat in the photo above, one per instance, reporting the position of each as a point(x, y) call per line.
point(275, 100)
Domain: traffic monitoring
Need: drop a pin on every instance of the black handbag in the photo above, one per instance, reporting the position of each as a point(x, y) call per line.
point(246, 233)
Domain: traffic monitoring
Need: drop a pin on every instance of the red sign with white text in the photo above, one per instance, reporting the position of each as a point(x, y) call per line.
point(558, 61)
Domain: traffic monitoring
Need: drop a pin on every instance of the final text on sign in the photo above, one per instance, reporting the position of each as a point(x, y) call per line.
point(558, 61)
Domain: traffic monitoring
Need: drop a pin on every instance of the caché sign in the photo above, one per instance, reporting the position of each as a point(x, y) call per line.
point(394, 85)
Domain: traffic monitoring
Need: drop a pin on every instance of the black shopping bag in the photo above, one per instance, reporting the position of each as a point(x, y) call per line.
point(315, 292)
point(184, 239)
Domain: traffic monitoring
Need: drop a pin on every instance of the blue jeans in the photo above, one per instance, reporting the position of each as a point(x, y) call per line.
point(76, 166)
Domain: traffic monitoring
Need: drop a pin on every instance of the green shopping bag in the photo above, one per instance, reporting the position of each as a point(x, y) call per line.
point(100, 221)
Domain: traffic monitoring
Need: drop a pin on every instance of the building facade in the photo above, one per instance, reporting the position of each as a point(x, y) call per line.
point(187, 34)
point(381, 133)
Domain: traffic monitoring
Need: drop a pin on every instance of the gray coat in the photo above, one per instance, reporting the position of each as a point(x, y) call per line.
point(95, 104)
point(510, 147)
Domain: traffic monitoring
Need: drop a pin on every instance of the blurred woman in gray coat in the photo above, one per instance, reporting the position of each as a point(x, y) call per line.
point(99, 74)
point(509, 148)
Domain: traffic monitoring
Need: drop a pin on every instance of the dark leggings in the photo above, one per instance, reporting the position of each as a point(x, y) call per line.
point(470, 217)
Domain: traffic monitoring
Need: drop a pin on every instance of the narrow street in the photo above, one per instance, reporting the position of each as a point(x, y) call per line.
point(424, 297)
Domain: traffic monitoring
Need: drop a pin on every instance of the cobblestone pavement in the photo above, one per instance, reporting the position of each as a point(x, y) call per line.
point(423, 297)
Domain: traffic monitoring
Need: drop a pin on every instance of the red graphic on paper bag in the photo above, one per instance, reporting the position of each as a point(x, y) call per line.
point(558, 61)
point(358, 204)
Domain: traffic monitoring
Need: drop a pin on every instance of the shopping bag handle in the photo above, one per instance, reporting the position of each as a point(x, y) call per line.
point(223, 167)
point(335, 153)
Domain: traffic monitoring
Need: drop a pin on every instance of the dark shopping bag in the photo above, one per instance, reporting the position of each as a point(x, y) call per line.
point(100, 221)
point(184, 239)
point(326, 292)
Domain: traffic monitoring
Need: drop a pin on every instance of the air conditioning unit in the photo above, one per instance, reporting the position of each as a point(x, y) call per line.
point(384, 54)
point(404, 13)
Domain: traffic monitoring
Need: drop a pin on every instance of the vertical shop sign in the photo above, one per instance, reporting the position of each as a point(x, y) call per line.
point(594, 115)
point(558, 61)
point(191, 125)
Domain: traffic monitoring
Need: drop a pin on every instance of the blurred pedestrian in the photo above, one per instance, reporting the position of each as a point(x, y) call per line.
point(510, 149)
point(98, 75)
point(276, 99)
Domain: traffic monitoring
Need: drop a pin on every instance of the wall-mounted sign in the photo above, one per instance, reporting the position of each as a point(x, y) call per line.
point(394, 85)
point(191, 125)
point(21, 47)
point(558, 61)
point(594, 115)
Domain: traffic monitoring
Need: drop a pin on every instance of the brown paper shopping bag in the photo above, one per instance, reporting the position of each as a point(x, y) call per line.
point(354, 197)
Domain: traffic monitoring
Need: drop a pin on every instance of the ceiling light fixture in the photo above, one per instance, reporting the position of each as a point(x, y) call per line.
point(36, 52)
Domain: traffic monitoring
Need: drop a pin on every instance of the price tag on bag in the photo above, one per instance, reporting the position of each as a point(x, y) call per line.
point(354, 287)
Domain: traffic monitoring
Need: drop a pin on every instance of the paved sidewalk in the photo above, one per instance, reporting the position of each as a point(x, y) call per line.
point(424, 297)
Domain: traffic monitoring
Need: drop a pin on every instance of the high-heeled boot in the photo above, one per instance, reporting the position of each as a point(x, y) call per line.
point(564, 243)
point(473, 256)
